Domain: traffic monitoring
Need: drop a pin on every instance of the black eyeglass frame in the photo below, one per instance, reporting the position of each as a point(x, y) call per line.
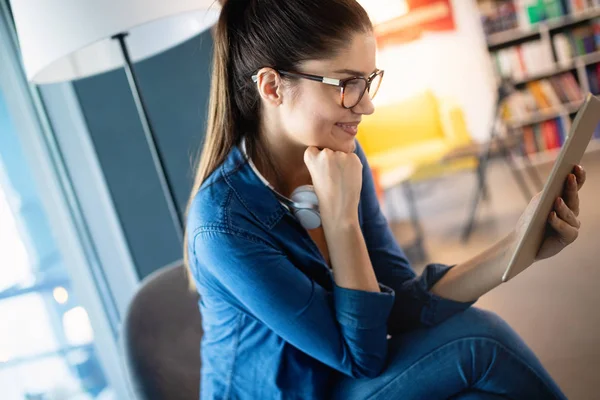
point(341, 83)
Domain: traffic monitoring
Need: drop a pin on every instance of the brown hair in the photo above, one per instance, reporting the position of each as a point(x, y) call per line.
point(252, 34)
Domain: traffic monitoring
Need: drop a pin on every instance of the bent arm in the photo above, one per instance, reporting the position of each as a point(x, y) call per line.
point(477, 276)
point(345, 329)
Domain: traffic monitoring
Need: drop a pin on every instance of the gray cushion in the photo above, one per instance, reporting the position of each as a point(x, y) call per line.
point(161, 338)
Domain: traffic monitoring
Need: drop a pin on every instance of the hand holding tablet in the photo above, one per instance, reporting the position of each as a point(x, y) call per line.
point(550, 222)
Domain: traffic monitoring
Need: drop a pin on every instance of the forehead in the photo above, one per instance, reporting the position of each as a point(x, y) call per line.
point(359, 55)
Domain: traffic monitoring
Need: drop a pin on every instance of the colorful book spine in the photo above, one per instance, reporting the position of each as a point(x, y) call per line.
point(560, 129)
point(539, 137)
point(544, 136)
point(593, 79)
point(529, 140)
point(597, 133)
point(554, 8)
point(596, 30)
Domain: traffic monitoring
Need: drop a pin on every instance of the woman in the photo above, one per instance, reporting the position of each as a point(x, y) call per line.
point(297, 305)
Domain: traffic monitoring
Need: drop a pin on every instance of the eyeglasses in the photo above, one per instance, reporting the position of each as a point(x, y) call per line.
point(352, 89)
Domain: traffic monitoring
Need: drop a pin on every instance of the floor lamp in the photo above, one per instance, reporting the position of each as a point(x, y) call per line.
point(62, 40)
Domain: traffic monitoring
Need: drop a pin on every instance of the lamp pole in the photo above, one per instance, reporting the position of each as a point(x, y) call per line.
point(157, 157)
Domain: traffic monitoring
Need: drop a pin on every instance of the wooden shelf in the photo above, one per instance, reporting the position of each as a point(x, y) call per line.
point(536, 77)
point(548, 156)
point(586, 59)
point(566, 20)
point(514, 35)
point(547, 114)
point(511, 35)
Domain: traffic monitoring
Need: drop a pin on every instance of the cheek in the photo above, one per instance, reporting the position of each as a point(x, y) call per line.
point(314, 119)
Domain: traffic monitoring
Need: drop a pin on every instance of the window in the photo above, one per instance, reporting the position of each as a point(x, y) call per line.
point(46, 340)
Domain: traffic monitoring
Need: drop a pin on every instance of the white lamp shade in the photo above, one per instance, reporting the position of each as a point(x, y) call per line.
point(70, 39)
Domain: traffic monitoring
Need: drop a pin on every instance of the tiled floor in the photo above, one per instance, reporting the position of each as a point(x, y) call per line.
point(555, 304)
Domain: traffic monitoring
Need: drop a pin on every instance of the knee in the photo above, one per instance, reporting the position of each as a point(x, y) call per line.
point(476, 323)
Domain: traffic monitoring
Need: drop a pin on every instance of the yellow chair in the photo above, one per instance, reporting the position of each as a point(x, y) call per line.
point(413, 140)
point(419, 132)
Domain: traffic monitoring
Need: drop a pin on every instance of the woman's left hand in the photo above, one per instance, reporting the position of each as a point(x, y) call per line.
point(563, 221)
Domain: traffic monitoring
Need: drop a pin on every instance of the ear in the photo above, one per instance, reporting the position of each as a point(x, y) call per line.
point(269, 86)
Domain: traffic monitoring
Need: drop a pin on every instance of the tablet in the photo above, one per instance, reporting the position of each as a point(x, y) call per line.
point(580, 134)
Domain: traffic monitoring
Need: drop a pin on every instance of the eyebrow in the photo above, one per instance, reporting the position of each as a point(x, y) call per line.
point(351, 72)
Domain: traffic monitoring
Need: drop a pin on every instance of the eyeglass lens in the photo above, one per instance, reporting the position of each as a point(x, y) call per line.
point(355, 88)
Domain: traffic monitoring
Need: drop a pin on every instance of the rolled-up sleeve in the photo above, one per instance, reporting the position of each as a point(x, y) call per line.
point(343, 328)
point(354, 310)
point(414, 304)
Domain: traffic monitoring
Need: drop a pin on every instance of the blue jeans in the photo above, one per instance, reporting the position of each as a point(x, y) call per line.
point(472, 355)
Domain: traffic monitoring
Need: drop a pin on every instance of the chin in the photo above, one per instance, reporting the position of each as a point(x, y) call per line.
point(347, 146)
point(338, 145)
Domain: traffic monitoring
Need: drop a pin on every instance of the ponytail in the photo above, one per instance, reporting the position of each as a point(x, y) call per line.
point(221, 130)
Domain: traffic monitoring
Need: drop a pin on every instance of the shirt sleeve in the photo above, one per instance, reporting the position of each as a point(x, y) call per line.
point(345, 329)
point(414, 305)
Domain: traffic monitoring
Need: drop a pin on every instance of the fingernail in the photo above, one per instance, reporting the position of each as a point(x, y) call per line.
point(561, 202)
point(573, 179)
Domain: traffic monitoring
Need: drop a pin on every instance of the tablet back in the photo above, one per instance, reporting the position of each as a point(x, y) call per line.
point(582, 129)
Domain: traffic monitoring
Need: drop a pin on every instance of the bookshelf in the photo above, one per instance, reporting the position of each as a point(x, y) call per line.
point(586, 59)
point(546, 114)
point(550, 50)
point(512, 36)
point(548, 156)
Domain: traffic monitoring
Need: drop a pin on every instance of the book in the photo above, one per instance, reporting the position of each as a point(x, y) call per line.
point(553, 9)
point(529, 141)
point(498, 16)
point(549, 93)
point(502, 15)
point(559, 89)
point(553, 140)
point(563, 49)
point(571, 86)
point(518, 62)
point(593, 80)
point(560, 126)
point(598, 73)
point(544, 96)
point(541, 144)
point(597, 132)
point(596, 31)
point(577, 6)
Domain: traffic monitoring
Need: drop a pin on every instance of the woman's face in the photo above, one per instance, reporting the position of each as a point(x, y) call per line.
point(311, 113)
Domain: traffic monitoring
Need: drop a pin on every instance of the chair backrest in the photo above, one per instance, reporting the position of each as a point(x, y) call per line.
point(161, 338)
point(405, 123)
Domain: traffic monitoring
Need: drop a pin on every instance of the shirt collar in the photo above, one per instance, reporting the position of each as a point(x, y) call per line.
point(251, 191)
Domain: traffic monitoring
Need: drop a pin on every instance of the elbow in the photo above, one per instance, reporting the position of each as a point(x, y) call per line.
point(370, 368)
point(367, 373)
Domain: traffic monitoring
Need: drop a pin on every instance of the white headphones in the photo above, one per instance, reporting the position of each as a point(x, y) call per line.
point(304, 203)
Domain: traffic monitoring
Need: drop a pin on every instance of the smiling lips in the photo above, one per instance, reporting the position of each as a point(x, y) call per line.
point(350, 128)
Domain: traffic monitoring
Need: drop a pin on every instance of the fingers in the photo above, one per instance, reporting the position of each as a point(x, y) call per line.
point(310, 153)
point(566, 214)
point(566, 233)
point(580, 175)
point(570, 194)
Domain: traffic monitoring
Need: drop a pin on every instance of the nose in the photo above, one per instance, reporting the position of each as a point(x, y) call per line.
point(365, 106)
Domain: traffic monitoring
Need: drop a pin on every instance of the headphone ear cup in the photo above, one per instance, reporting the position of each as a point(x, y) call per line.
point(309, 218)
point(305, 194)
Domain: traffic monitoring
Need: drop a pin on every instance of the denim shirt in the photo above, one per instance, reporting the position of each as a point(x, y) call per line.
point(276, 326)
